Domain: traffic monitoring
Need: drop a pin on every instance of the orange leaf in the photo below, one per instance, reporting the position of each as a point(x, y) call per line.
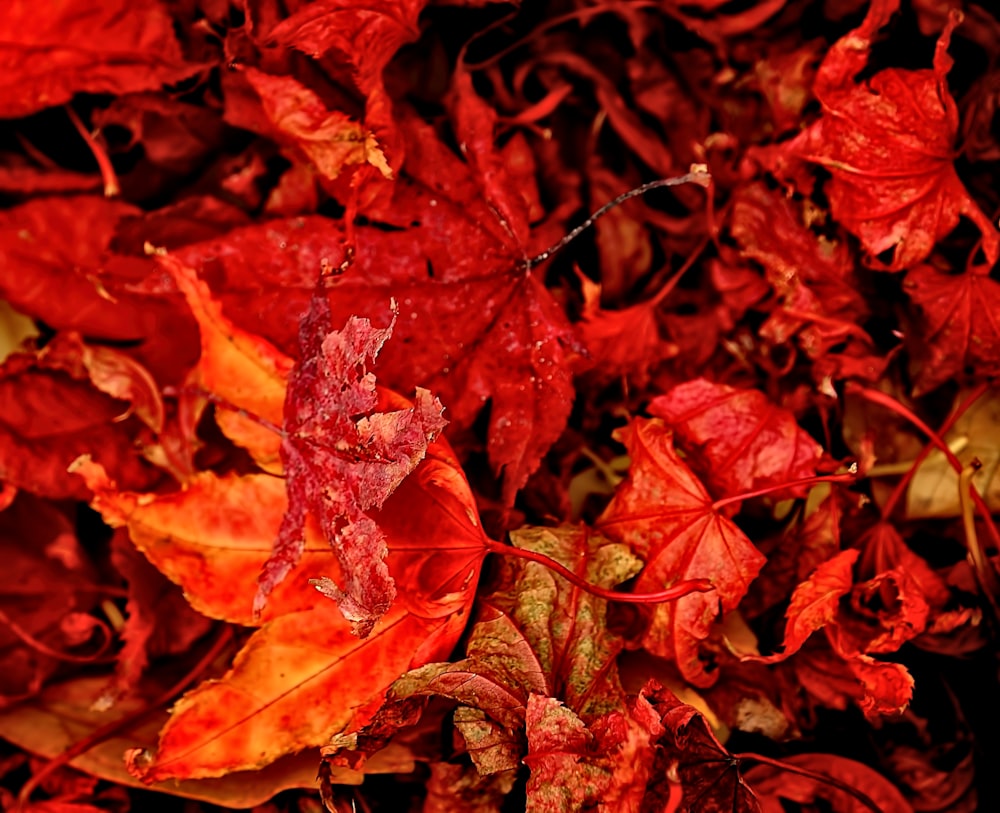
point(327, 137)
point(297, 681)
point(242, 369)
point(212, 539)
point(214, 536)
point(67, 712)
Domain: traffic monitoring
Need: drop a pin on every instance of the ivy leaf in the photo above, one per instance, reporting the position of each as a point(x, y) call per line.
point(565, 627)
point(573, 767)
point(535, 635)
point(492, 684)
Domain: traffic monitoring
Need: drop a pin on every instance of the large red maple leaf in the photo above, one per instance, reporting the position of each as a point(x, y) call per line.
point(888, 144)
point(476, 324)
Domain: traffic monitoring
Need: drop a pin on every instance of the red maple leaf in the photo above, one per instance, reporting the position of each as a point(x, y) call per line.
point(888, 144)
point(664, 512)
point(740, 441)
point(422, 161)
point(958, 328)
point(515, 358)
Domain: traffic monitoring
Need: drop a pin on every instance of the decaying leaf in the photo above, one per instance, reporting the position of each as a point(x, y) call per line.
point(215, 535)
point(338, 466)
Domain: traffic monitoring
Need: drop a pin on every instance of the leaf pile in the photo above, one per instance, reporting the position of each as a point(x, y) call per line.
point(335, 433)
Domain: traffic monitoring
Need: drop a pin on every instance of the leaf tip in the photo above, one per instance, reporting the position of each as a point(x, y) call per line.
point(93, 473)
point(138, 762)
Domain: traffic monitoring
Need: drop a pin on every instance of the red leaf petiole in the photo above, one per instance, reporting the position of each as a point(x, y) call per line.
point(862, 797)
point(679, 590)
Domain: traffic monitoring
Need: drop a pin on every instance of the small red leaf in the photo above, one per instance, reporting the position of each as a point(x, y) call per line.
point(664, 512)
point(815, 602)
point(959, 331)
point(741, 441)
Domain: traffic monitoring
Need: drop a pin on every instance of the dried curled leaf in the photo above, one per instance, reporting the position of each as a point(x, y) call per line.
point(329, 139)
